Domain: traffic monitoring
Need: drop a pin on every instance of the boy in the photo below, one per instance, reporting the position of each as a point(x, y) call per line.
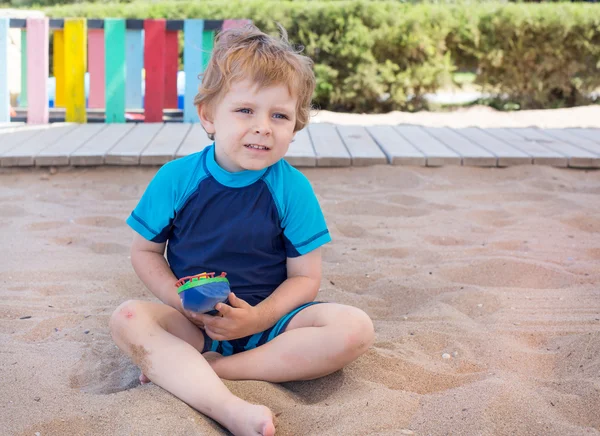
point(238, 207)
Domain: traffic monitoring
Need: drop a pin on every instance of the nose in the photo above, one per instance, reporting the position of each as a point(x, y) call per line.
point(262, 127)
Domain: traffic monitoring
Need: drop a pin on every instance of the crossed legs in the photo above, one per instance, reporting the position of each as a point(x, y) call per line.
point(167, 347)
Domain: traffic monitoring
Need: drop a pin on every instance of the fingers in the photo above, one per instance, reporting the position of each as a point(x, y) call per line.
point(216, 334)
point(223, 309)
point(195, 318)
point(235, 301)
point(215, 321)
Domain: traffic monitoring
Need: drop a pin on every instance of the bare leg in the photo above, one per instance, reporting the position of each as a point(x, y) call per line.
point(166, 346)
point(318, 341)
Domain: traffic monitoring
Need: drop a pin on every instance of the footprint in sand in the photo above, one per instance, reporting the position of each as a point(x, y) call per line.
point(586, 223)
point(495, 218)
point(506, 197)
point(446, 241)
point(354, 282)
point(405, 200)
point(351, 230)
point(103, 369)
point(375, 208)
point(401, 374)
point(594, 253)
point(317, 391)
point(509, 273)
point(96, 247)
point(513, 245)
point(108, 248)
point(12, 210)
point(394, 253)
point(474, 304)
point(101, 221)
point(46, 225)
point(45, 328)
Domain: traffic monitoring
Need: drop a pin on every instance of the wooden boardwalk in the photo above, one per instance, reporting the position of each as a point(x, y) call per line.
point(322, 145)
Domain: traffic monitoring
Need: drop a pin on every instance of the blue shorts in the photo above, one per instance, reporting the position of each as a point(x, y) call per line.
point(227, 348)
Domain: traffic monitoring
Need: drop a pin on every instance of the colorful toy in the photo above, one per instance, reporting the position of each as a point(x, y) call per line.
point(202, 292)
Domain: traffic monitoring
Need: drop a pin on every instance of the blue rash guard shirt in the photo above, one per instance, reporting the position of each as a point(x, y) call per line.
point(246, 223)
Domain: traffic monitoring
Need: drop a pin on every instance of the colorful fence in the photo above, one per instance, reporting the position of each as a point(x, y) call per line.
point(114, 52)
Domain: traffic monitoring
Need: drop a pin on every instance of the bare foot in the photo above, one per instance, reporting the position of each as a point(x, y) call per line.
point(247, 419)
point(144, 379)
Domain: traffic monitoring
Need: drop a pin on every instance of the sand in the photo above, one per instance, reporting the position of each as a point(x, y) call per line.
point(474, 116)
point(483, 285)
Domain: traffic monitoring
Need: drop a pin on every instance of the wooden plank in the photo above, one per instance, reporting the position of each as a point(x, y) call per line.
point(154, 63)
point(363, 149)
point(506, 154)
point(329, 147)
point(192, 66)
point(23, 155)
point(576, 160)
point(541, 155)
point(10, 125)
point(163, 146)
point(4, 89)
point(134, 63)
point(96, 69)
point(577, 157)
point(58, 153)
point(130, 147)
point(94, 150)
point(75, 67)
point(471, 153)
point(397, 149)
point(37, 70)
point(114, 52)
point(171, 68)
point(195, 141)
point(591, 134)
point(301, 152)
point(58, 67)
point(437, 154)
point(23, 95)
point(13, 137)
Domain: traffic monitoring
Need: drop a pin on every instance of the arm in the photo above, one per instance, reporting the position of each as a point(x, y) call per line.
point(240, 319)
point(301, 286)
point(150, 265)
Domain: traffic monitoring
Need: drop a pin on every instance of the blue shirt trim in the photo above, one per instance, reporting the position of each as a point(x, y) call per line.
point(232, 180)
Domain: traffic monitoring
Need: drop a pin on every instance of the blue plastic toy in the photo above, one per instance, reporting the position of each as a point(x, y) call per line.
point(202, 292)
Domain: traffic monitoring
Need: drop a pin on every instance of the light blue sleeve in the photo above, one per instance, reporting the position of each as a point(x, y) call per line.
point(302, 219)
point(153, 216)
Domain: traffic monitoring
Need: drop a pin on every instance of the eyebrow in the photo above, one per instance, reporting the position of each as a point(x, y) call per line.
point(276, 108)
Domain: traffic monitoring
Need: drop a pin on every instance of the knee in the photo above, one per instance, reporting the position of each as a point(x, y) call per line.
point(123, 317)
point(359, 332)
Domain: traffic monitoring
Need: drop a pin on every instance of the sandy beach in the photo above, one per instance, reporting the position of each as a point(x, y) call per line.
point(483, 284)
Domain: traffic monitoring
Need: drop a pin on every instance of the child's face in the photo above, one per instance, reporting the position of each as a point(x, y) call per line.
point(253, 127)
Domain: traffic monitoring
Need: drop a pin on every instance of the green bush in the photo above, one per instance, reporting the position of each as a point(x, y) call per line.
point(375, 56)
point(538, 56)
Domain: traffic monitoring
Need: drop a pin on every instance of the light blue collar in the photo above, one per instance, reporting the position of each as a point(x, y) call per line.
point(224, 177)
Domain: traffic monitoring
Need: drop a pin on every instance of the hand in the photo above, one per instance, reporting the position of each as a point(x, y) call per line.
point(234, 322)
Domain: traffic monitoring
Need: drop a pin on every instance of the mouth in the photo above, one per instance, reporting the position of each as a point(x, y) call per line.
point(257, 147)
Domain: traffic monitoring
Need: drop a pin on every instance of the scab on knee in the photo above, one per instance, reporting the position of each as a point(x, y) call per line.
point(121, 317)
point(127, 313)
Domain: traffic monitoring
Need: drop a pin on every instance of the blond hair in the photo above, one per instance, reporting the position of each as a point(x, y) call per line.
point(248, 53)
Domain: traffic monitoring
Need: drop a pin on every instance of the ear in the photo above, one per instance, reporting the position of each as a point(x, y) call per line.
point(205, 120)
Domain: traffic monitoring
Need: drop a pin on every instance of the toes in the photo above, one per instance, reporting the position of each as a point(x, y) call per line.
point(144, 379)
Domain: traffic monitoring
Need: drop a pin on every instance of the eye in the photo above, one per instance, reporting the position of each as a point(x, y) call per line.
point(281, 116)
point(245, 110)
